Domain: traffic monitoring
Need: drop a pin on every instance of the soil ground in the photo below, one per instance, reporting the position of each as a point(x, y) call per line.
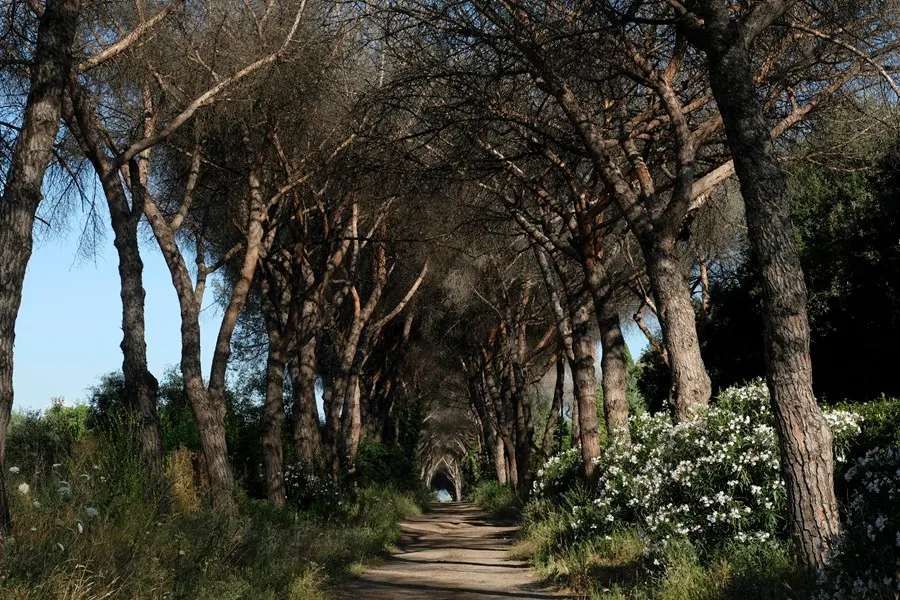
point(452, 551)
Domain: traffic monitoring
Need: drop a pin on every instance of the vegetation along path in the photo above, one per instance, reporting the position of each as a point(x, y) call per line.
point(453, 551)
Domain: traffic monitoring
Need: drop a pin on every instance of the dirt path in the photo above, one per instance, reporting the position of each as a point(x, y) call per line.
point(453, 551)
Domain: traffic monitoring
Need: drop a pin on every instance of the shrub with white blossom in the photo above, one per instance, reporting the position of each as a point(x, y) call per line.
point(309, 488)
point(558, 474)
point(866, 564)
point(713, 478)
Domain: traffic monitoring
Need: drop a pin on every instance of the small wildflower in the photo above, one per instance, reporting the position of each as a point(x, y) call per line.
point(14, 470)
point(91, 511)
point(24, 488)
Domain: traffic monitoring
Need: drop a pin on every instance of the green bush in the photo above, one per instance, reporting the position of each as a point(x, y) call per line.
point(501, 500)
point(880, 426)
point(36, 441)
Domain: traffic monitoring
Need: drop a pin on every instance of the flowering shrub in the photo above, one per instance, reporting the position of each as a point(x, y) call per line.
point(713, 478)
point(558, 474)
point(845, 429)
point(867, 561)
point(308, 488)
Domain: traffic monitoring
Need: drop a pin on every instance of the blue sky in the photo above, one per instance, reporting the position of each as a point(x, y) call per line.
point(69, 325)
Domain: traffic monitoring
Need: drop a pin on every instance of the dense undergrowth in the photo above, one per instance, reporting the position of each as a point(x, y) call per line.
point(86, 527)
point(698, 510)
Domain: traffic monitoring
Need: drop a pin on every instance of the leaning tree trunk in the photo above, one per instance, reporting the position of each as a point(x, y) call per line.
point(614, 370)
point(22, 194)
point(584, 378)
point(691, 385)
point(273, 423)
point(803, 434)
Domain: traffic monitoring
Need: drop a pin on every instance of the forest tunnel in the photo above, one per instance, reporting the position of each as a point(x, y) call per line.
point(441, 480)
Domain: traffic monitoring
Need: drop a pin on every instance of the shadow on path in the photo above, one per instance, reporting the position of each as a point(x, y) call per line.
point(453, 551)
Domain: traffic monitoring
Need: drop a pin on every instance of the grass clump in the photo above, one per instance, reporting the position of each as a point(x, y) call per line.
point(498, 499)
point(86, 528)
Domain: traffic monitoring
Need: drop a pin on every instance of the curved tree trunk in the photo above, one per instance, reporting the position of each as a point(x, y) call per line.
point(614, 371)
point(691, 386)
point(22, 194)
point(803, 434)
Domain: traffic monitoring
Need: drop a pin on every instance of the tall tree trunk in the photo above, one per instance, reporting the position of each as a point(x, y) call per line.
point(555, 407)
point(704, 283)
point(22, 194)
point(209, 411)
point(273, 424)
point(353, 424)
point(499, 456)
point(507, 443)
point(803, 434)
point(332, 398)
point(141, 386)
point(614, 371)
point(524, 430)
point(207, 402)
point(584, 377)
point(307, 438)
point(575, 435)
point(691, 386)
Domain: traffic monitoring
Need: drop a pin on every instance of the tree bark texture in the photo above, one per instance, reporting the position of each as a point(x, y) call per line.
point(506, 441)
point(22, 193)
point(524, 430)
point(307, 437)
point(691, 386)
point(584, 378)
point(141, 386)
point(614, 370)
point(555, 407)
point(273, 426)
point(207, 403)
point(803, 434)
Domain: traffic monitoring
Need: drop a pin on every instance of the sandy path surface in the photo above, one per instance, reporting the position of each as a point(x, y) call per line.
point(453, 551)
